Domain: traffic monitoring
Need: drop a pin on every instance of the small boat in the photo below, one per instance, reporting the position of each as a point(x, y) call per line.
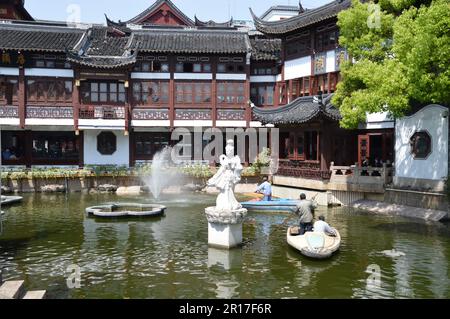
point(9, 200)
point(313, 244)
point(275, 205)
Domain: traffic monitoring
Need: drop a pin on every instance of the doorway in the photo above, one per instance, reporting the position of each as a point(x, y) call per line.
point(374, 149)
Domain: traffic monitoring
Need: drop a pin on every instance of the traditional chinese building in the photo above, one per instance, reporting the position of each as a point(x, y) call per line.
point(310, 136)
point(14, 10)
point(111, 94)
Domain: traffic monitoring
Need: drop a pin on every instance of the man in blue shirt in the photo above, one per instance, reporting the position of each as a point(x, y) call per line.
point(266, 189)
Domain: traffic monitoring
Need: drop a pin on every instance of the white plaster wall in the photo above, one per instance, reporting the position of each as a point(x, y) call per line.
point(150, 76)
point(52, 122)
point(10, 121)
point(297, 68)
point(64, 73)
point(435, 167)
point(9, 71)
point(378, 121)
point(278, 15)
point(263, 78)
point(193, 76)
point(331, 61)
point(93, 157)
point(231, 77)
point(150, 123)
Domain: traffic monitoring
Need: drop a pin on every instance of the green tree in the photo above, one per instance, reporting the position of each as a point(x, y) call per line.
point(399, 55)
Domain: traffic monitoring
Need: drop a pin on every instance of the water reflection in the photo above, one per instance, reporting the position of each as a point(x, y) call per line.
point(170, 258)
point(220, 262)
point(226, 259)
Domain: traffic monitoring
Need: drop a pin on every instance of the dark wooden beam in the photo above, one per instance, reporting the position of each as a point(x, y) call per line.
point(172, 63)
point(22, 97)
point(76, 100)
point(248, 109)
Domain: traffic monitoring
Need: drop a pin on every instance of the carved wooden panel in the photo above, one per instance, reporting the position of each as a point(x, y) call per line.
point(198, 115)
point(9, 111)
point(231, 115)
point(103, 112)
point(150, 114)
point(38, 112)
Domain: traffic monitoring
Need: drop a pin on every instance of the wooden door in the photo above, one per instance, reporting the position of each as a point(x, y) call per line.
point(363, 149)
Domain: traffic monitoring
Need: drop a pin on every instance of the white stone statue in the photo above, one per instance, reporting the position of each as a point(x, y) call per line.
point(225, 180)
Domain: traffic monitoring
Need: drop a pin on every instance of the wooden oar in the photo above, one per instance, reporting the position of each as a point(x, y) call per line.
point(292, 216)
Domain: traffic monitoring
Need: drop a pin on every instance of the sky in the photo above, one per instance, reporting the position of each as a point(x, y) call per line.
point(92, 11)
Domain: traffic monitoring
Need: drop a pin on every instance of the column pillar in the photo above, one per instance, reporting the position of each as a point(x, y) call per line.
point(76, 101)
point(22, 97)
point(214, 95)
point(172, 92)
point(248, 113)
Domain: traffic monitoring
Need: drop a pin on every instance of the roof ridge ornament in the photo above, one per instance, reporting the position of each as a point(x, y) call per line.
point(318, 99)
point(301, 9)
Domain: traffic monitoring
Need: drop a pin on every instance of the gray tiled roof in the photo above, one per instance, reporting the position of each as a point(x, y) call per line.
point(213, 24)
point(103, 51)
point(102, 44)
point(266, 49)
point(38, 38)
point(193, 41)
point(105, 62)
point(304, 19)
point(299, 111)
point(97, 41)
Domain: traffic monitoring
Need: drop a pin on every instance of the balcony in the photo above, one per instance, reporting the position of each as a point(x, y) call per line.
point(102, 113)
point(306, 170)
point(9, 111)
point(50, 112)
point(362, 177)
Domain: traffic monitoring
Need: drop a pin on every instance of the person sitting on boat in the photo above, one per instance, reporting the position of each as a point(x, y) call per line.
point(321, 226)
point(266, 189)
point(305, 210)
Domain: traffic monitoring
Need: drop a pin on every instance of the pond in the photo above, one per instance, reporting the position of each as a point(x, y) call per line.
point(169, 257)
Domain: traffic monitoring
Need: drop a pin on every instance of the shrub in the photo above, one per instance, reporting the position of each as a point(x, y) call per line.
point(197, 171)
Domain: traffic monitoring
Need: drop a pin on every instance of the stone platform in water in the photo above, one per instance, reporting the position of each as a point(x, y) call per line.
point(9, 200)
point(16, 290)
point(400, 210)
point(126, 210)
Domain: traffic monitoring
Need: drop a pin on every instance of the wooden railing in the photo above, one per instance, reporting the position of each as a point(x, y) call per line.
point(302, 170)
point(361, 175)
point(102, 112)
point(9, 111)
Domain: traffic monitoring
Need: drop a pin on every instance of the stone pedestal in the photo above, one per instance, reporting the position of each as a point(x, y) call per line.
point(225, 228)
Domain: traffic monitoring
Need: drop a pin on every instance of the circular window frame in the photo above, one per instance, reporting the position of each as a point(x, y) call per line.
point(412, 143)
point(101, 149)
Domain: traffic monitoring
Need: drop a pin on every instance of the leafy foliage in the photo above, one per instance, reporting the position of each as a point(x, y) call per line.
point(263, 160)
point(404, 60)
point(197, 171)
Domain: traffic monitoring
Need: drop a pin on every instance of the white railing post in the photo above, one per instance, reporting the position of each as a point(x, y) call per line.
point(332, 169)
point(385, 174)
point(356, 174)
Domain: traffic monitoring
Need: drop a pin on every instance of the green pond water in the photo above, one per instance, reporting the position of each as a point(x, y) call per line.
point(169, 257)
